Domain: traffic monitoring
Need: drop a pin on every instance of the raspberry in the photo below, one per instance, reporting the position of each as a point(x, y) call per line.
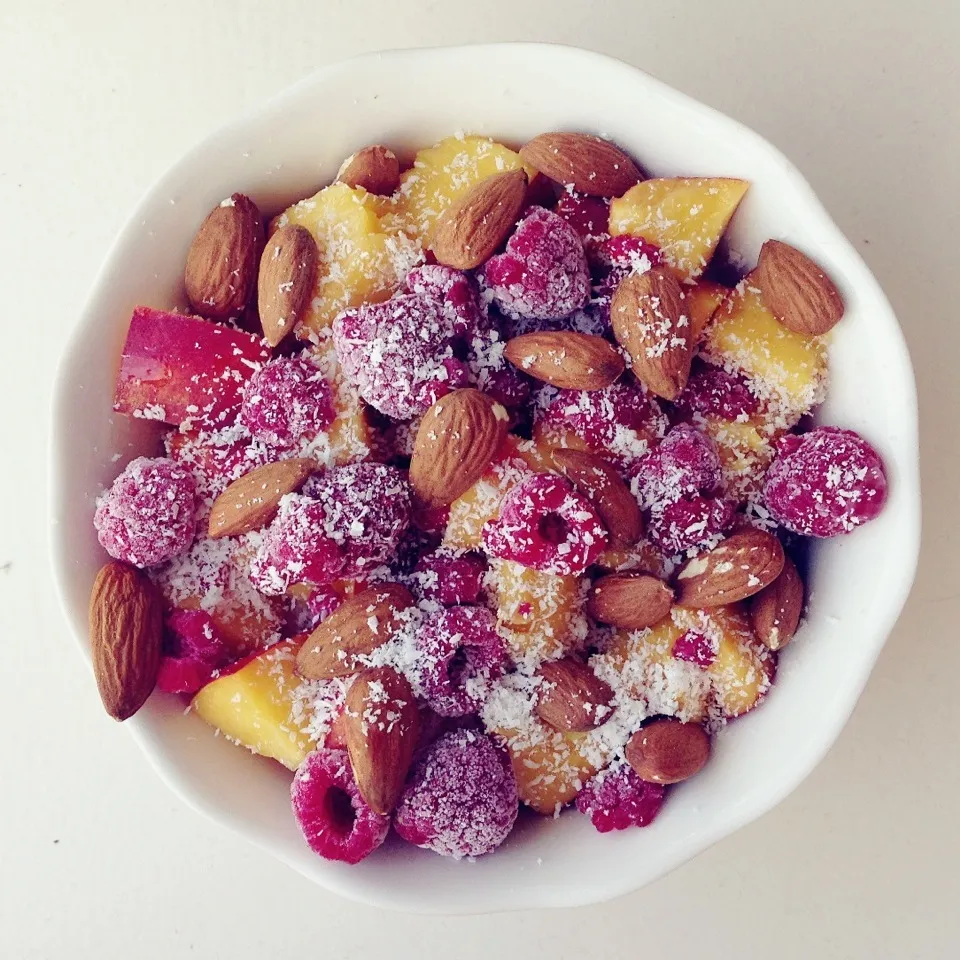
point(398, 354)
point(686, 462)
point(695, 648)
point(712, 392)
point(545, 524)
point(454, 292)
point(149, 514)
point(461, 799)
point(494, 375)
point(589, 216)
point(616, 257)
point(193, 650)
point(690, 521)
point(461, 654)
point(617, 798)
point(543, 273)
point(825, 482)
point(331, 814)
point(449, 577)
point(287, 402)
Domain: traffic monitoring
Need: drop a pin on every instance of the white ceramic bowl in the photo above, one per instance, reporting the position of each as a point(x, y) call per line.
point(288, 148)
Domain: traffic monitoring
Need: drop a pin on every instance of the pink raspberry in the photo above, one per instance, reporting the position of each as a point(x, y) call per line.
point(461, 800)
point(461, 654)
point(149, 514)
point(712, 392)
point(398, 354)
point(686, 462)
point(449, 577)
point(287, 402)
point(193, 650)
point(454, 292)
point(617, 798)
point(543, 273)
point(695, 648)
point(589, 216)
point(616, 257)
point(546, 524)
point(691, 521)
point(331, 814)
point(825, 482)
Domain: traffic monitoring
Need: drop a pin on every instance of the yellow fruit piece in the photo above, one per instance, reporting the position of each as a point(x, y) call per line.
point(684, 216)
point(442, 174)
point(539, 614)
point(703, 299)
point(785, 369)
point(257, 706)
point(746, 451)
point(350, 438)
point(362, 259)
point(642, 556)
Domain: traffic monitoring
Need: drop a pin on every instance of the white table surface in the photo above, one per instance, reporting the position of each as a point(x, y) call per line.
point(97, 859)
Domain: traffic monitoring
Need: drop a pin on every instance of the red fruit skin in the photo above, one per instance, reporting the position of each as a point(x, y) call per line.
point(177, 368)
point(694, 648)
point(589, 216)
point(618, 799)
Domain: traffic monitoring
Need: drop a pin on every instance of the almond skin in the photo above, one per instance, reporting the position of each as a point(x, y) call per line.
point(600, 483)
point(476, 226)
point(629, 601)
point(649, 321)
point(776, 609)
point(569, 698)
point(288, 270)
point(251, 502)
point(222, 264)
point(796, 291)
point(571, 361)
point(455, 443)
point(374, 168)
point(381, 725)
point(588, 164)
point(668, 751)
point(353, 631)
point(126, 636)
point(739, 567)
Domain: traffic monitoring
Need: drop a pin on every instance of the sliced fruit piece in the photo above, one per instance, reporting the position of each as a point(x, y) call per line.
point(746, 450)
point(684, 216)
point(702, 301)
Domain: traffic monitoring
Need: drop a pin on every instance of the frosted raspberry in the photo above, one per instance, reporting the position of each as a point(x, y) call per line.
point(398, 354)
point(461, 654)
point(619, 256)
point(825, 482)
point(589, 216)
point(454, 292)
point(450, 577)
point(287, 401)
point(691, 521)
point(543, 273)
point(685, 463)
point(461, 800)
point(617, 798)
point(193, 649)
point(695, 648)
point(712, 392)
point(331, 814)
point(494, 375)
point(149, 514)
point(546, 524)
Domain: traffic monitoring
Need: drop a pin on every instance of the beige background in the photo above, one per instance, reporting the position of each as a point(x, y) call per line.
point(97, 859)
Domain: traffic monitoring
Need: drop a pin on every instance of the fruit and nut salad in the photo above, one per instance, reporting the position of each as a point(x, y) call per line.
point(484, 485)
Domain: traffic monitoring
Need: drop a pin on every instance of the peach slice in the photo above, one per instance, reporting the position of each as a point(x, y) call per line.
point(746, 451)
point(684, 216)
point(703, 299)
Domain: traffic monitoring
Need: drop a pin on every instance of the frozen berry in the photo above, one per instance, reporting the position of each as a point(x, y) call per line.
point(685, 463)
point(825, 482)
point(149, 514)
point(331, 814)
point(494, 375)
point(461, 799)
point(712, 392)
point(695, 648)
point(193, 650)
point(617, 798)
point(589, 216)
point(450, 577)
point(399, 354)
point(619, 256)
point(546, 524)
point(454, 292)
point(286, 402)
point(690, 521)
point(461, 654)
point(543, 273)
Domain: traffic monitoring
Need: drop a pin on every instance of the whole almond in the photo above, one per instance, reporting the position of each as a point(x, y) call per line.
point(251, 502)
point(221, 270)
point(796, 291)
point(455, 443)
point(668, 751)
point(629, 601)
point(361, 624)
point(288, 269)
point(649, 321)
point(472, 230)
point(126, 636)
point(776, 609)
point(381, 725)
point(598, 480)
point(571, 361)
point(374, 168)
point(739, 567)
point(572, 697)
point(588, 164)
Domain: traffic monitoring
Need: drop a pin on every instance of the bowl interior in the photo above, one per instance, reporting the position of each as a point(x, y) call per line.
point(287, 150)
